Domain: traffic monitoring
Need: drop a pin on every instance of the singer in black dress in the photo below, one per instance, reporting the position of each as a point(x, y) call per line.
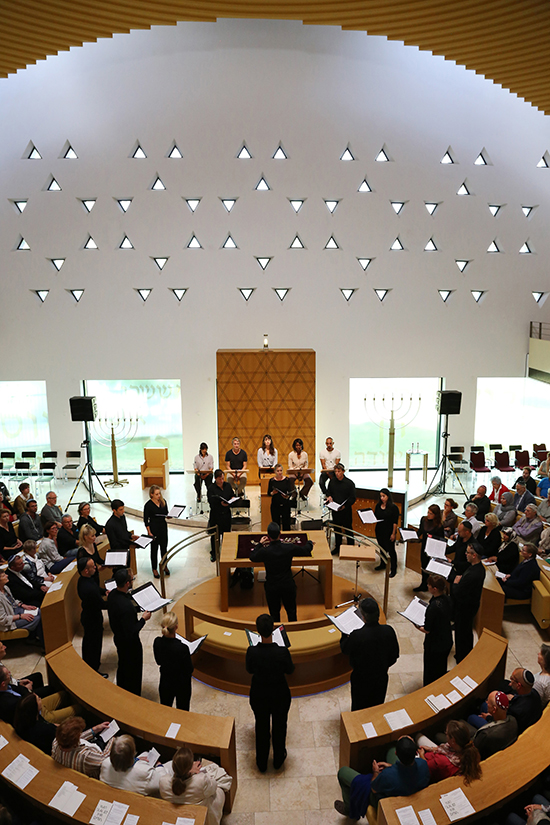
point(155, 514)
point(281, 490)
point(386, 528)
point(174, 659)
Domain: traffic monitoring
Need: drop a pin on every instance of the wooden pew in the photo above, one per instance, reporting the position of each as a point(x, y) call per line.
point(505, 775)
point(485, 664)
point(43, 787)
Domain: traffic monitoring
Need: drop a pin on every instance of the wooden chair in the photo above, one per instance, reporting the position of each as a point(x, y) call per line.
point(154, 469)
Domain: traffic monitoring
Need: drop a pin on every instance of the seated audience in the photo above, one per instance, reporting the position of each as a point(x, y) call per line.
point(543, 487)
point(498, 490)
point(526, 479)
point(14, 615)
point(5, 504)
point(482, 501)
point(67, 538)
point(519, 583)
point(21, 587)
point(544, 543)
point(84, 517)
point(457, 756)
point(20, 503)
point(30, 523)
point(543, 510)
point(507, 555)
point(470, 514)
point(55, 707)
point(505, 512)
point(529, 527)
point(50, 511)
point(537, 813)
point(408, 775)
point(34, 568)
point(449, 518)
point(542, 679)
point(489, 536)
point(123, 770)
point(9, 543)
point(187, 782)
point(30, 725)
point(494, 728)
point(522, 497)
point(74, 748)
point(525, 703)
point(48, 551)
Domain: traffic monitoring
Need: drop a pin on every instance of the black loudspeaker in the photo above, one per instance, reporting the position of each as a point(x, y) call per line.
point(83, 408)
point(448, 402)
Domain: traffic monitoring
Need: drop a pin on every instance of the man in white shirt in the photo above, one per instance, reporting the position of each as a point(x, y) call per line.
point(329, 458)
point(470, 512)
point(203, 465)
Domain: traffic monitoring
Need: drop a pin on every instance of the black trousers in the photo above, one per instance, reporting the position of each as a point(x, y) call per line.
point(280, 511)
point(130, 666)
point(92, 641)
point(344, 518)
point(388, 545)
point(435, 664)
point(158, 543)
point(179, 690)
point(223, 527)
point(271, 713)
point(275, 594)
point(464, 634)
point(197, 484)
point(366, 692)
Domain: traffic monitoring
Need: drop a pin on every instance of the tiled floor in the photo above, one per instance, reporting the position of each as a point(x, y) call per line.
point(306, 785)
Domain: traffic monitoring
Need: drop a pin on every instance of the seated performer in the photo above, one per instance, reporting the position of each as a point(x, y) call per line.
point(203, 464)
point(267, 454)
point(236, 460)
point(298, 460)
point(329, 458)
point(281, 490)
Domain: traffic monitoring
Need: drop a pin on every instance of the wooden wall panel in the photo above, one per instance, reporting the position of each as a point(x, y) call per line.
point(266, 391)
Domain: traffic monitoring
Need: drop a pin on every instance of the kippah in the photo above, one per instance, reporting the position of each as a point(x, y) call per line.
point(528, 676)
point(501, 700)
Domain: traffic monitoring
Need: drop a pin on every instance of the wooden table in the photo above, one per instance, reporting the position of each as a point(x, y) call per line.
point(320, 558)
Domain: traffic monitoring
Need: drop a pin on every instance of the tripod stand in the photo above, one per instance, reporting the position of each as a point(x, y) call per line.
point(91, 472)
point(442, 466)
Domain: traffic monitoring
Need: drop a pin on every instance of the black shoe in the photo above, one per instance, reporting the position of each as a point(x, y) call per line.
point(419, 589)
point(381, 566)
point(280, 764)
point(393, 574)
point(166, 571)
point(212, 557)
point(105, 675)
point(261, 769)
point(335, 552)
point(340, 807)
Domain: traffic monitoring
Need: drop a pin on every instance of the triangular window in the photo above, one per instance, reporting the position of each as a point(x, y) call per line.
point(397, 245)
point(364, 262)
point(89, 204)
point(544, 162)
point(161, 262)
point(192, 203)
point(493, 247)
point(144, 293)
point(57, 262)
point(23, 245)
point(430, 246)
point(77, 294)
point(281, 292)
point(463, 189)
point(34, 154)
point(229, 203)
point(364, 187)
point(331, 243)
point(20, 205)
point(179, 293)
point(53, 186)
point(229, 243)
point(331, 205)
point(480, 160)
point(244, 154)
point(139, 153)
point(494, 209)
point(42, 294)
point(158, 184)
point(175, 152)
point(431, 207)
point(280, 154)
point(194, 243)
point(125, 204)
point(381, 293)
point(462, 265)
point(90, 243)
point(527, 210)
point(70, 154)
point(382, 156)
point(476, 295)
point(397, 206)
point(346, 155)
point(296, 243)
point(126, 243)
point(347, 293)
point(263, 262)
point(262, 185)
point(525, 249)
point(447, 157)
point(444, 294)
point(297, 204)
point(246, 292)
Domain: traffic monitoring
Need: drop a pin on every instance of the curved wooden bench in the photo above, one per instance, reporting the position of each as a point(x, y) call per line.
point(505, 775)
point(485, 664)
point(43, 787)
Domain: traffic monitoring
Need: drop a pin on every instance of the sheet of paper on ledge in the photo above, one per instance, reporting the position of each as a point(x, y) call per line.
point(20, 771)
point(185, 820)
point(456, 804)
point(398, 719)
point(454, 696)
point(407, 816)
point(173, 730)
point(370, 730)
point(101, 812)
point(68, 799)
point(117, 813)
point(427, 817)
point(69, 567)
point(131, 819)
point(55, 586)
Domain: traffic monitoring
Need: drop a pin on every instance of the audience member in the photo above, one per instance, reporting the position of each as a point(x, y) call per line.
point(88, 549)
point(507, 555)
point(30, 523)
point(482, 501)
point(537, 813)
point(526, 479)
point(543, 510)
point(5, 504)
point(498, 490)
point(74, 747)
point(489, 536)
point(522, 497)
point(48, 551)
point(494, 728)
point(21, 587)
point(466, 596)
point(9, 543)
point(84, 517)
point(519, 583)
point(55, 706)
point(543, 487)
point(35, 569)
point(30, 725)
point(438, 640)
point(470, 514)
point(14, 615)
point(506, 512)
point(190, 782)
point(449, 517)
point(50, 511)
point(525, 703)
point(20, 503)
point(67, 538)
point(458, 755)
point(542, 679)
point(529, 527)
point(124, 770)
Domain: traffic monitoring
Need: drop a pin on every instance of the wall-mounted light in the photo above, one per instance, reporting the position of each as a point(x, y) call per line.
point(266, 341)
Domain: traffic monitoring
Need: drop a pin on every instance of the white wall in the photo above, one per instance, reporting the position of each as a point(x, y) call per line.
point(209, 86)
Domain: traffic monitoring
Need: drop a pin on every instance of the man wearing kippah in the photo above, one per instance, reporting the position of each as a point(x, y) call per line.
point(525, 702)
point(498, 729)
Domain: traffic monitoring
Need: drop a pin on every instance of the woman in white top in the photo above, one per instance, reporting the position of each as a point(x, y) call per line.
point(298, 460)
point(122, 770)
point(203, 465)
point(542, 679)
point(187, 782)
point(267, 454)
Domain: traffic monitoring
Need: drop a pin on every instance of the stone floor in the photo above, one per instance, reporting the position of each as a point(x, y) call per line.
point(306, 785)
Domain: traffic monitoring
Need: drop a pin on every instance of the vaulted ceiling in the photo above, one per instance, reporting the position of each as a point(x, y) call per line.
point(507, 41)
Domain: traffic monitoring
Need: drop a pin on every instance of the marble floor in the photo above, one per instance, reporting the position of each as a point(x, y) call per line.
point(306, 785)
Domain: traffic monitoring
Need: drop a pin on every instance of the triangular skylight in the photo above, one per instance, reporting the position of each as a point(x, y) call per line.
point(280, 154)
point(263, 262)
point(57, 262)
point(124, 204)
point(382, 157)
point(430, 246)
point(430, 206)
point(161, 262)
point(229, 243)
point(396, 245)
point(244, 154)
point(462, 265)
point(90, 243)
point(158, 184)
point(281, 292)
point(364, 187)
point(23, 245)
point(42, 294)
point(144, 293)
point(179, 293)
point(527, 210)
point(444, 294)
point(381, 293)
point(463, 189)
point(493, 247)
point(262, 185)
point(139, 153)
point(126, 243)
point(447, 157)
point(192, 203)
point(525, 249)
point(34, 154)
point(364, 262)
point(296, 243)
point(20, 205)
point(397, 206)
point(77, 294)
point(88, 204)
point(246, 292)
point(194, 243)
point(175, 152)
point(476, 294)
point(347, 155)
point(331, 243)
point(229, 203)
point(494, 209)
point(331, 205)
point(53, 186)
point(297, 204)
point(347, 293)
point(537, 296)
point(480, 160)
point(543, 162)
point(70, 154)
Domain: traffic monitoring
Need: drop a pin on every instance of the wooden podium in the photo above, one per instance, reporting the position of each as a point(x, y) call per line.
point(265, 500)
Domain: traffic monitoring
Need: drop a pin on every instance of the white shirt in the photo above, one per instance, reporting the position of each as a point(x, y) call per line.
point(331, 458)
point(265, 459)
point(142, 777)
point(295, 463)
point(204, 463)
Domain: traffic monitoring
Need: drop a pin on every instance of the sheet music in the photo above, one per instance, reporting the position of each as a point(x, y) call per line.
point(407, 816)
point(334, 505)
point(176, 511)
point(370, 730)
point(398, 719)
point(143, 541)
point(367, 516)
point(117, 813)
point(415, 612)
point(436, 548)
point(68, 799)
point(110, 585)
point(109, 732)
point(439, 567)
point(500, 575)
point(470, 682)
point(438, 703)
point(255, 638)
point(456, 804)
point(407, 535)
point(173, 730)
point(149, 598)
point(193, 646)
point(348, 621)
point(116, 558)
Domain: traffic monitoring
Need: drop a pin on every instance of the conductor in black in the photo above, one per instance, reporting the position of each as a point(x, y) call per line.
point(372, 650)
point(279, 584)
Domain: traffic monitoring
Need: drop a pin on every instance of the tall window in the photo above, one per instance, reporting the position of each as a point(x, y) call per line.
point(512, 411)
point(144, 413)
point(24, 416)
point(416, 420)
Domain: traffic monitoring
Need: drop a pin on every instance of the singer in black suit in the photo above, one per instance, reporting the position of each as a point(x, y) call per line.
point(219, 494)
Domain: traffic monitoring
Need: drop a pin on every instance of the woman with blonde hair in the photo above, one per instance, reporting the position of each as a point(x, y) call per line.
point(88, 548)
point(189, 782)
point(174, 659)
point(489, 536)
point(155, 514)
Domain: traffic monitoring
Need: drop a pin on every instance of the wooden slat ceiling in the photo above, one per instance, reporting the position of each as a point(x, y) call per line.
point(507, 41)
